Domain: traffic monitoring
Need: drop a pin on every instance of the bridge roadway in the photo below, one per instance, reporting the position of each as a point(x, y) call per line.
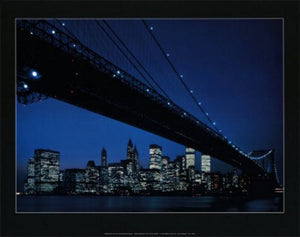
point(76, 75)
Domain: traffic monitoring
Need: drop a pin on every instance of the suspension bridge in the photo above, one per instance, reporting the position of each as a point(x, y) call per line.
point(90, 81)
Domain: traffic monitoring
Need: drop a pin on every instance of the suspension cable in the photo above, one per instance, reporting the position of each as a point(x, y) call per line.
point(138, 62)
point(124, 54)
point(180, 79)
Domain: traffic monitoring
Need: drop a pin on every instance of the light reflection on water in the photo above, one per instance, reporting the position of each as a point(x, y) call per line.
point(146, 204)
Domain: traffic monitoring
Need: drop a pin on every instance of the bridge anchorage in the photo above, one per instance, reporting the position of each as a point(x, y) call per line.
point(51, 63)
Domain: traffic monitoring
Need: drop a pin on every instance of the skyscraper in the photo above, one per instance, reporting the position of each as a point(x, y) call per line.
point(155, 152)
point(46, 170)
point(103, 158)
point(205, 163)
point(181, 160)
point(190, 157)
point(133, 157)
point(136, 163)
point(30, 181)
point(129, 150)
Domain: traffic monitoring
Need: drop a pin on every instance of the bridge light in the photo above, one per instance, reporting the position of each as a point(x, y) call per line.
point(53, 32)
point(74, 45)
point(25, 86)
point(229, 142)
point(118, 72)
point(151, 27)
point(31, 32)
point(181, 76)
point(168, 54)
point(220, 130)
point(63, 24)
point(147, 90)
point(191, 91)
point(114, 75)
point(184, 113)
point(34, 74)
point(169, 103)
point(198, 122)
point(206, 114)
point(199, 103)
point(214, 123)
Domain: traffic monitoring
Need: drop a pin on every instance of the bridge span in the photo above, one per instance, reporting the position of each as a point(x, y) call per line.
point(66, 70)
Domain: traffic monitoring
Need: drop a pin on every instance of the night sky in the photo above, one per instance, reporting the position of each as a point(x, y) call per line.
point(234, 68)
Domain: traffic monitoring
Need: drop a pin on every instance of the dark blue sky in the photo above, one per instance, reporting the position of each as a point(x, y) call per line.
point(234, 68)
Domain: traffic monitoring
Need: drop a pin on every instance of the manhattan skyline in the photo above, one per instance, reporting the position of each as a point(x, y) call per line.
point(241, 59)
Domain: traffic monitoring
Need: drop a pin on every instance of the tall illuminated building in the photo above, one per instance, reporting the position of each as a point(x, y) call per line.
point(155, 152)
point(130, 150)
point(190, 157)
point(205, 163)
point(46, 170)
point(103, 157)
point(133, 157)
point(30, 181)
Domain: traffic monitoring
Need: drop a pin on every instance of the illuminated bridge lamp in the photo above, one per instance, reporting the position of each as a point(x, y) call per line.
point(34, 74)
point(25, 86)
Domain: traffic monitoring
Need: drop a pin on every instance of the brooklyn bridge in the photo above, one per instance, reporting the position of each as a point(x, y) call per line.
point(88, 80)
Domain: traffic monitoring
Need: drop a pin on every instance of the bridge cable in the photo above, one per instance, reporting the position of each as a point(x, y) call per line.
point(68, 31)
point(124, 54)
point(179, 77)
point(138, 62)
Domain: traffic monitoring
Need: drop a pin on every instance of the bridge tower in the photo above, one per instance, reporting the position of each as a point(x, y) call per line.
point(264, 183)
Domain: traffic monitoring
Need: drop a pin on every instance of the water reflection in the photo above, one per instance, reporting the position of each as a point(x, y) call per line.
point(146, 204)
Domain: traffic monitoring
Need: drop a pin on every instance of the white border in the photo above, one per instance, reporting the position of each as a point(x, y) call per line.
point(283, 110)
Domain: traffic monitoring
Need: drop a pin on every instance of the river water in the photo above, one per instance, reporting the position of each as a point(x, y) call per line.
point(147, 204)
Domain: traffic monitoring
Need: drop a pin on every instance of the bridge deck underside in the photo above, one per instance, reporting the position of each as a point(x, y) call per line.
point(103, 94)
